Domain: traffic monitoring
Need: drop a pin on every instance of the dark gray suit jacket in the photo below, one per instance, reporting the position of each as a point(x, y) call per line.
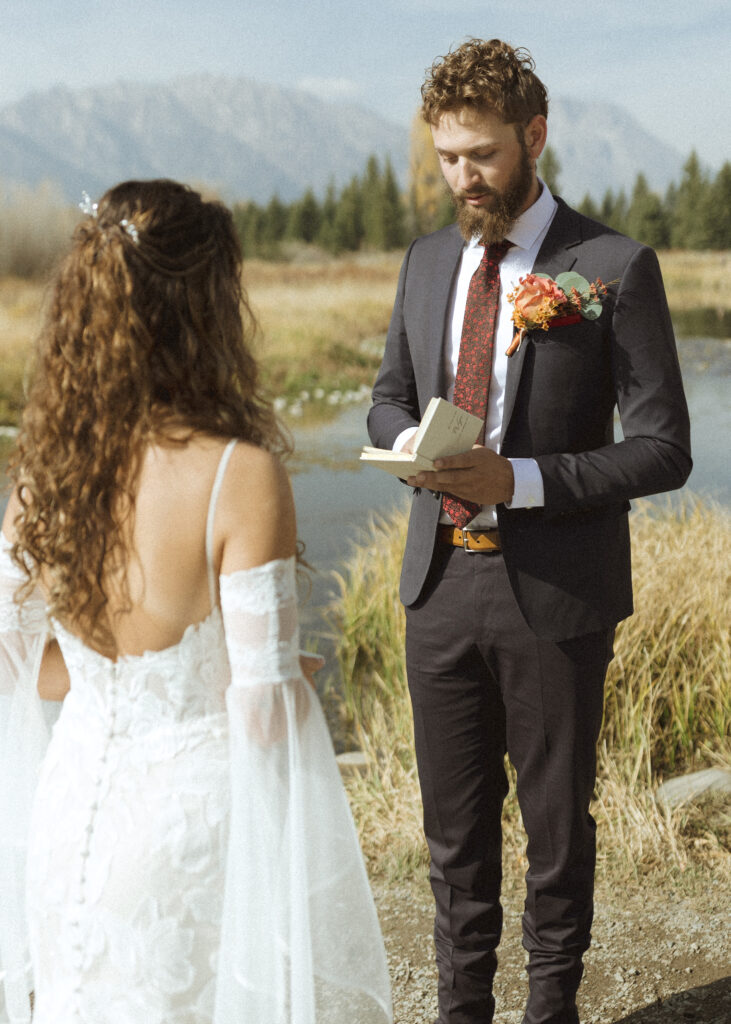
point(568, 562)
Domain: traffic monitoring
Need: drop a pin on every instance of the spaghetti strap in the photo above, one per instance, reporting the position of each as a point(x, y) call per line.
point(215, 491)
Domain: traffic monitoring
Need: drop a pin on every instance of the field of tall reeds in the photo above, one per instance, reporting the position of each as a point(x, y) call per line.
point(667, 711)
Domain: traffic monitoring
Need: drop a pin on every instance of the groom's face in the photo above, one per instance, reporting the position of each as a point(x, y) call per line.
point(489, 167)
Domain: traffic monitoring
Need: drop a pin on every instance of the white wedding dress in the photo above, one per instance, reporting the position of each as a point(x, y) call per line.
point(184, 841)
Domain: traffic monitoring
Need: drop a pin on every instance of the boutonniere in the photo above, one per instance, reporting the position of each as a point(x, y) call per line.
point(539, 302)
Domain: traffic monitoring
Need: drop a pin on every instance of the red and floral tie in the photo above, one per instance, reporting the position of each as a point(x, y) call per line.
point(474, 367)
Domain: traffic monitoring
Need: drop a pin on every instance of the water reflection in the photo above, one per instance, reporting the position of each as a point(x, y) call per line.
point(702, 322)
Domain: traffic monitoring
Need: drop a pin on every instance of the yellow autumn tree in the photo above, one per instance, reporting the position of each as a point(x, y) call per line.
point(429, 205)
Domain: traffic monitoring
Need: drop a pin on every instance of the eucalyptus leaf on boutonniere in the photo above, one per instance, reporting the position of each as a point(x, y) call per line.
point(539, 302)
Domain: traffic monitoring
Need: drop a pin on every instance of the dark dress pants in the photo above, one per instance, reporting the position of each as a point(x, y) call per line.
point(481, 684)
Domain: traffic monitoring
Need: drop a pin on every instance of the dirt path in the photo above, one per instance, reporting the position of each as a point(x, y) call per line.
point(655, 958)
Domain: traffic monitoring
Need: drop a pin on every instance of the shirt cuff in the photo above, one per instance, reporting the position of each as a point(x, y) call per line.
point(528, 490)
point(403, 437)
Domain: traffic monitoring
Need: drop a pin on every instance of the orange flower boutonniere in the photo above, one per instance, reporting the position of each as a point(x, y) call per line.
point(539, 302)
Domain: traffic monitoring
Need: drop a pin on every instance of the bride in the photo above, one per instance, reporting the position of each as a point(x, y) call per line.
point(181, 851)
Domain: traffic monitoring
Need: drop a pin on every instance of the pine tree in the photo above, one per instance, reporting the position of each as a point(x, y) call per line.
point(588, 207)
point(620, 212)
point(606, 209)
point(549, 168)
point(718, 210)
point(372, 205)
point(646, 217)
point(393, 210)
point(326, 233)
point(249, 220)
point(348, 227)
point(275, 223)
point(613, 210)
point(305, 218)
point(689, 228)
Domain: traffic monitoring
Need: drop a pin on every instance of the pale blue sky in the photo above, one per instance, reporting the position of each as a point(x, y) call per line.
point(665, 60)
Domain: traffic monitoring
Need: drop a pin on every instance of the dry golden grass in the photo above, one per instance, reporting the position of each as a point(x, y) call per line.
point(697, 279)
point(314, 319)
point(317, 318)
point(668, 707)
point(20, 306)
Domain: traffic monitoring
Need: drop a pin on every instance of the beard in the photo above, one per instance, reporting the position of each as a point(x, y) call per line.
point(491, 224)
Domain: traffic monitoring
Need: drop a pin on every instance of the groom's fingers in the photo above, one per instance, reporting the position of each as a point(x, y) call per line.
point(479, 475)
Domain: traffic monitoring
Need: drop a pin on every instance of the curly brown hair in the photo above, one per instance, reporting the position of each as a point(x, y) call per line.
point(147, 331)
point(485, 75)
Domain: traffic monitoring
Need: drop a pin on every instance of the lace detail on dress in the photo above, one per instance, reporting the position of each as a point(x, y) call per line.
point(260, 618)
point(28, 618)
point(151, 690)
point(191, 855)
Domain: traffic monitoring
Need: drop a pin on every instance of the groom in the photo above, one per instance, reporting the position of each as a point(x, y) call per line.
point(517, 561)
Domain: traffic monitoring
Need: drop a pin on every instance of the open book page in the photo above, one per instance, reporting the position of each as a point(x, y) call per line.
point(400, 464)
point(444, 430)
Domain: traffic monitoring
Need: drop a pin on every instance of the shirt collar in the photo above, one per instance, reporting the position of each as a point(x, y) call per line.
point(531, 224)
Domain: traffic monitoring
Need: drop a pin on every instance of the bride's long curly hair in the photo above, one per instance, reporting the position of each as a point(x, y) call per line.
point(147, 331)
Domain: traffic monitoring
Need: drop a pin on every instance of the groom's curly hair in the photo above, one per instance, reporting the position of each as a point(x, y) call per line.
point(147, 331)
point(485, 75)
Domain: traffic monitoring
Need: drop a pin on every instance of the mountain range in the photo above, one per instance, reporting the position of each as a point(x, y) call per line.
point(249, 140)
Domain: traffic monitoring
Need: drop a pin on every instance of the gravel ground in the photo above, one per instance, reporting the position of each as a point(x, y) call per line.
point(656, 957)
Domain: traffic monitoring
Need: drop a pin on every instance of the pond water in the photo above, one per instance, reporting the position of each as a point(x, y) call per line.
point(336, 497)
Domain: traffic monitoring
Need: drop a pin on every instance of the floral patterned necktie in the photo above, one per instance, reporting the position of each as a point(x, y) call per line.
point(474, 366)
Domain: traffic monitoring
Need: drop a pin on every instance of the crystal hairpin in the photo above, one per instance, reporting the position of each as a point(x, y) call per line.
point(131, 230)
point(92, 210)
point(86, 206)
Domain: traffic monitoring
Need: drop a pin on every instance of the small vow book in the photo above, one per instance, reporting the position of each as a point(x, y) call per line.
point(444, 430)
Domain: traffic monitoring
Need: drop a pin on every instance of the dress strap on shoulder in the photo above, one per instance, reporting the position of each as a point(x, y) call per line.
point(215, 491)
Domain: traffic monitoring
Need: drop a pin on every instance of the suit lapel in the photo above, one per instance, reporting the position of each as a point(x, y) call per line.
point(447, 263)
point(555, 256)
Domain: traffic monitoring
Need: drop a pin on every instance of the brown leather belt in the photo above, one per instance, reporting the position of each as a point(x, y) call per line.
point(470, 540)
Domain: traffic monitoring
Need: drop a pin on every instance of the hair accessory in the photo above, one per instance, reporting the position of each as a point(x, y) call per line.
point(131, 230)
point(86, 206)
point(92, 210)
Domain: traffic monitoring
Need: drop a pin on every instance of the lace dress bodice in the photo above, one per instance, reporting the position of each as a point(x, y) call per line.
point(145, 692)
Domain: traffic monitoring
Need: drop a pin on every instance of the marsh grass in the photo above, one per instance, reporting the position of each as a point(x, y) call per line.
point(696, 279)
point(667, 706)
point(322, 322)
point(35, 227)
point(20, 305)
point(316, 320)
point(321, 325)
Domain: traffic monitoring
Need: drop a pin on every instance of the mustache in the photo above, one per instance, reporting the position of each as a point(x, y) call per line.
point(474, 193)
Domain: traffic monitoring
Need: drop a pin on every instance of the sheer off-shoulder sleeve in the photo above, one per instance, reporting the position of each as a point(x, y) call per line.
point(300, 940)
point(23, 742)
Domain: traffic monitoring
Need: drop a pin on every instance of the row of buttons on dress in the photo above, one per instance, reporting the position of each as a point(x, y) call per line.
point(77, 946)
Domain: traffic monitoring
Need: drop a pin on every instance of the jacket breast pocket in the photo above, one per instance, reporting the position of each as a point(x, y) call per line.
point(566, 393)
point(568, 360)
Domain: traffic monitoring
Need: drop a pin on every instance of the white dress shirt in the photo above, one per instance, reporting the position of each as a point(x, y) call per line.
point(526, 234)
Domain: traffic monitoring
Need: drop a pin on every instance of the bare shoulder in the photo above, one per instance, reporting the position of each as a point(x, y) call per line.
point(255, 517)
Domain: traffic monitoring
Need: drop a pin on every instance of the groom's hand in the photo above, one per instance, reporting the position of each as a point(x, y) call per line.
point(479, 475)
